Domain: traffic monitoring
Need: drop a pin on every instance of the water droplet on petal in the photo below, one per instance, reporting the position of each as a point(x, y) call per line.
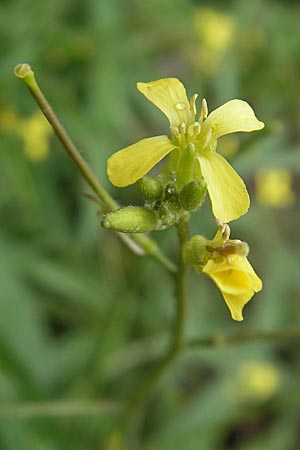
point(180, 106)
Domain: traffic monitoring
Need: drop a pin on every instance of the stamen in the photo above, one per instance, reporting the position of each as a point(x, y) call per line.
point(175, 131)
point(191, 130)
point(180, 106)
point(197, 128)
point(204, 111)
point(193, 104)
point(194, 129)
point(183, 127)
point(224, 228)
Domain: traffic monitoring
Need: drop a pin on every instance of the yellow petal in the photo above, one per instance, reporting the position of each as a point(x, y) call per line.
point(227, 191)
point(132, 163)
point(236, 280)
point(233, 116)
point(235, 305)
point(244, 264)
point(169, 95)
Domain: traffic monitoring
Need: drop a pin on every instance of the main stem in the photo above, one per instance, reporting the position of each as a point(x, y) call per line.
point(26, 74)
point(137, 405)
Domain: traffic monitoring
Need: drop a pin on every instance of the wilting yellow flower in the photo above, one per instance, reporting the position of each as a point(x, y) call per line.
point(231, 271)
point(225, 261)
point(274, 188)
point(236, 280)
point(227, 190)
point(35, 133)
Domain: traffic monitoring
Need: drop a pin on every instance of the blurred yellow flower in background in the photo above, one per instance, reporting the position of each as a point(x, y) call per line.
point(8, 121)
point(216, 31)
point(257, 380)
point(35, 132)
point(273, 187)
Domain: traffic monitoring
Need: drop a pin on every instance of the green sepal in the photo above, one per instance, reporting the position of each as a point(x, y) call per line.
point(131, 219)
point(192, 195)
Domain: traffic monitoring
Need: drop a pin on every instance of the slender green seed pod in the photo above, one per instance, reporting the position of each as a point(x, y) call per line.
point(150, 189)
point(192, 195)
point(131, 219)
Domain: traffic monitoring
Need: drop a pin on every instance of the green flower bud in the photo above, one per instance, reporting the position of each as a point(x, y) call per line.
point(169, 212)
point(171, 192)
point(150, 189)
point(131, 219)
point(195, 253)
point(192, 195)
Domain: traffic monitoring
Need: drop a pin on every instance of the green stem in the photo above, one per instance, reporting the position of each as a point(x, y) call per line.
point(26, 74)
point(59, 408)
point(139, 402)
point(220, 340)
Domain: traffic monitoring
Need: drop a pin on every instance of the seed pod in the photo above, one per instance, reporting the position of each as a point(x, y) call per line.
point(131, 219)
point(192, 195)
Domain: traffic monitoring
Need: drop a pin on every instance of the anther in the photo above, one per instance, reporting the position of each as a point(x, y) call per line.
point(204, 111)
point(193, 104)
point(183, 127)
point(175, 131)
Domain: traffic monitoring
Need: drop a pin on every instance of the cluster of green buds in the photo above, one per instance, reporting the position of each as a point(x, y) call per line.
point(164, 204)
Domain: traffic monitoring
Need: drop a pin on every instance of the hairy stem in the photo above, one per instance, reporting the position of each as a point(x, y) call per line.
point(26, 74)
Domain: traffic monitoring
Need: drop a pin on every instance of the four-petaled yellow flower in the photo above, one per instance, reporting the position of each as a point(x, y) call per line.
point(226, 189)
point(231, 271)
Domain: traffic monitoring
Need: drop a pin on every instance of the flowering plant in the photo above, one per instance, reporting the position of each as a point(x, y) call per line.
point(193, 168)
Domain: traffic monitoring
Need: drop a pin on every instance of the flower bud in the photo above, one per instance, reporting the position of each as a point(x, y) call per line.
point(195, 253)
point(192, 195)
point(131, 219)
point(169, 212)
point(150, 189)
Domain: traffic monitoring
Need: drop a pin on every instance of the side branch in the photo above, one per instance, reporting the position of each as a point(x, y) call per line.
point(26, 74)
point(220, 340)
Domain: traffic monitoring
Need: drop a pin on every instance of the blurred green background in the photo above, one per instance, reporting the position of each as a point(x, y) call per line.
point(80, 316)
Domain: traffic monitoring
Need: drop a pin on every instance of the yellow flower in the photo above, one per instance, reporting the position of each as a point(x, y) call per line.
point(215, 29)
point(227, 191)
point(35, 131)
point(236, 280)
point(231, 271)
point(215, 32)
point(274, 188)
point(257, 380)
point(8, 120)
